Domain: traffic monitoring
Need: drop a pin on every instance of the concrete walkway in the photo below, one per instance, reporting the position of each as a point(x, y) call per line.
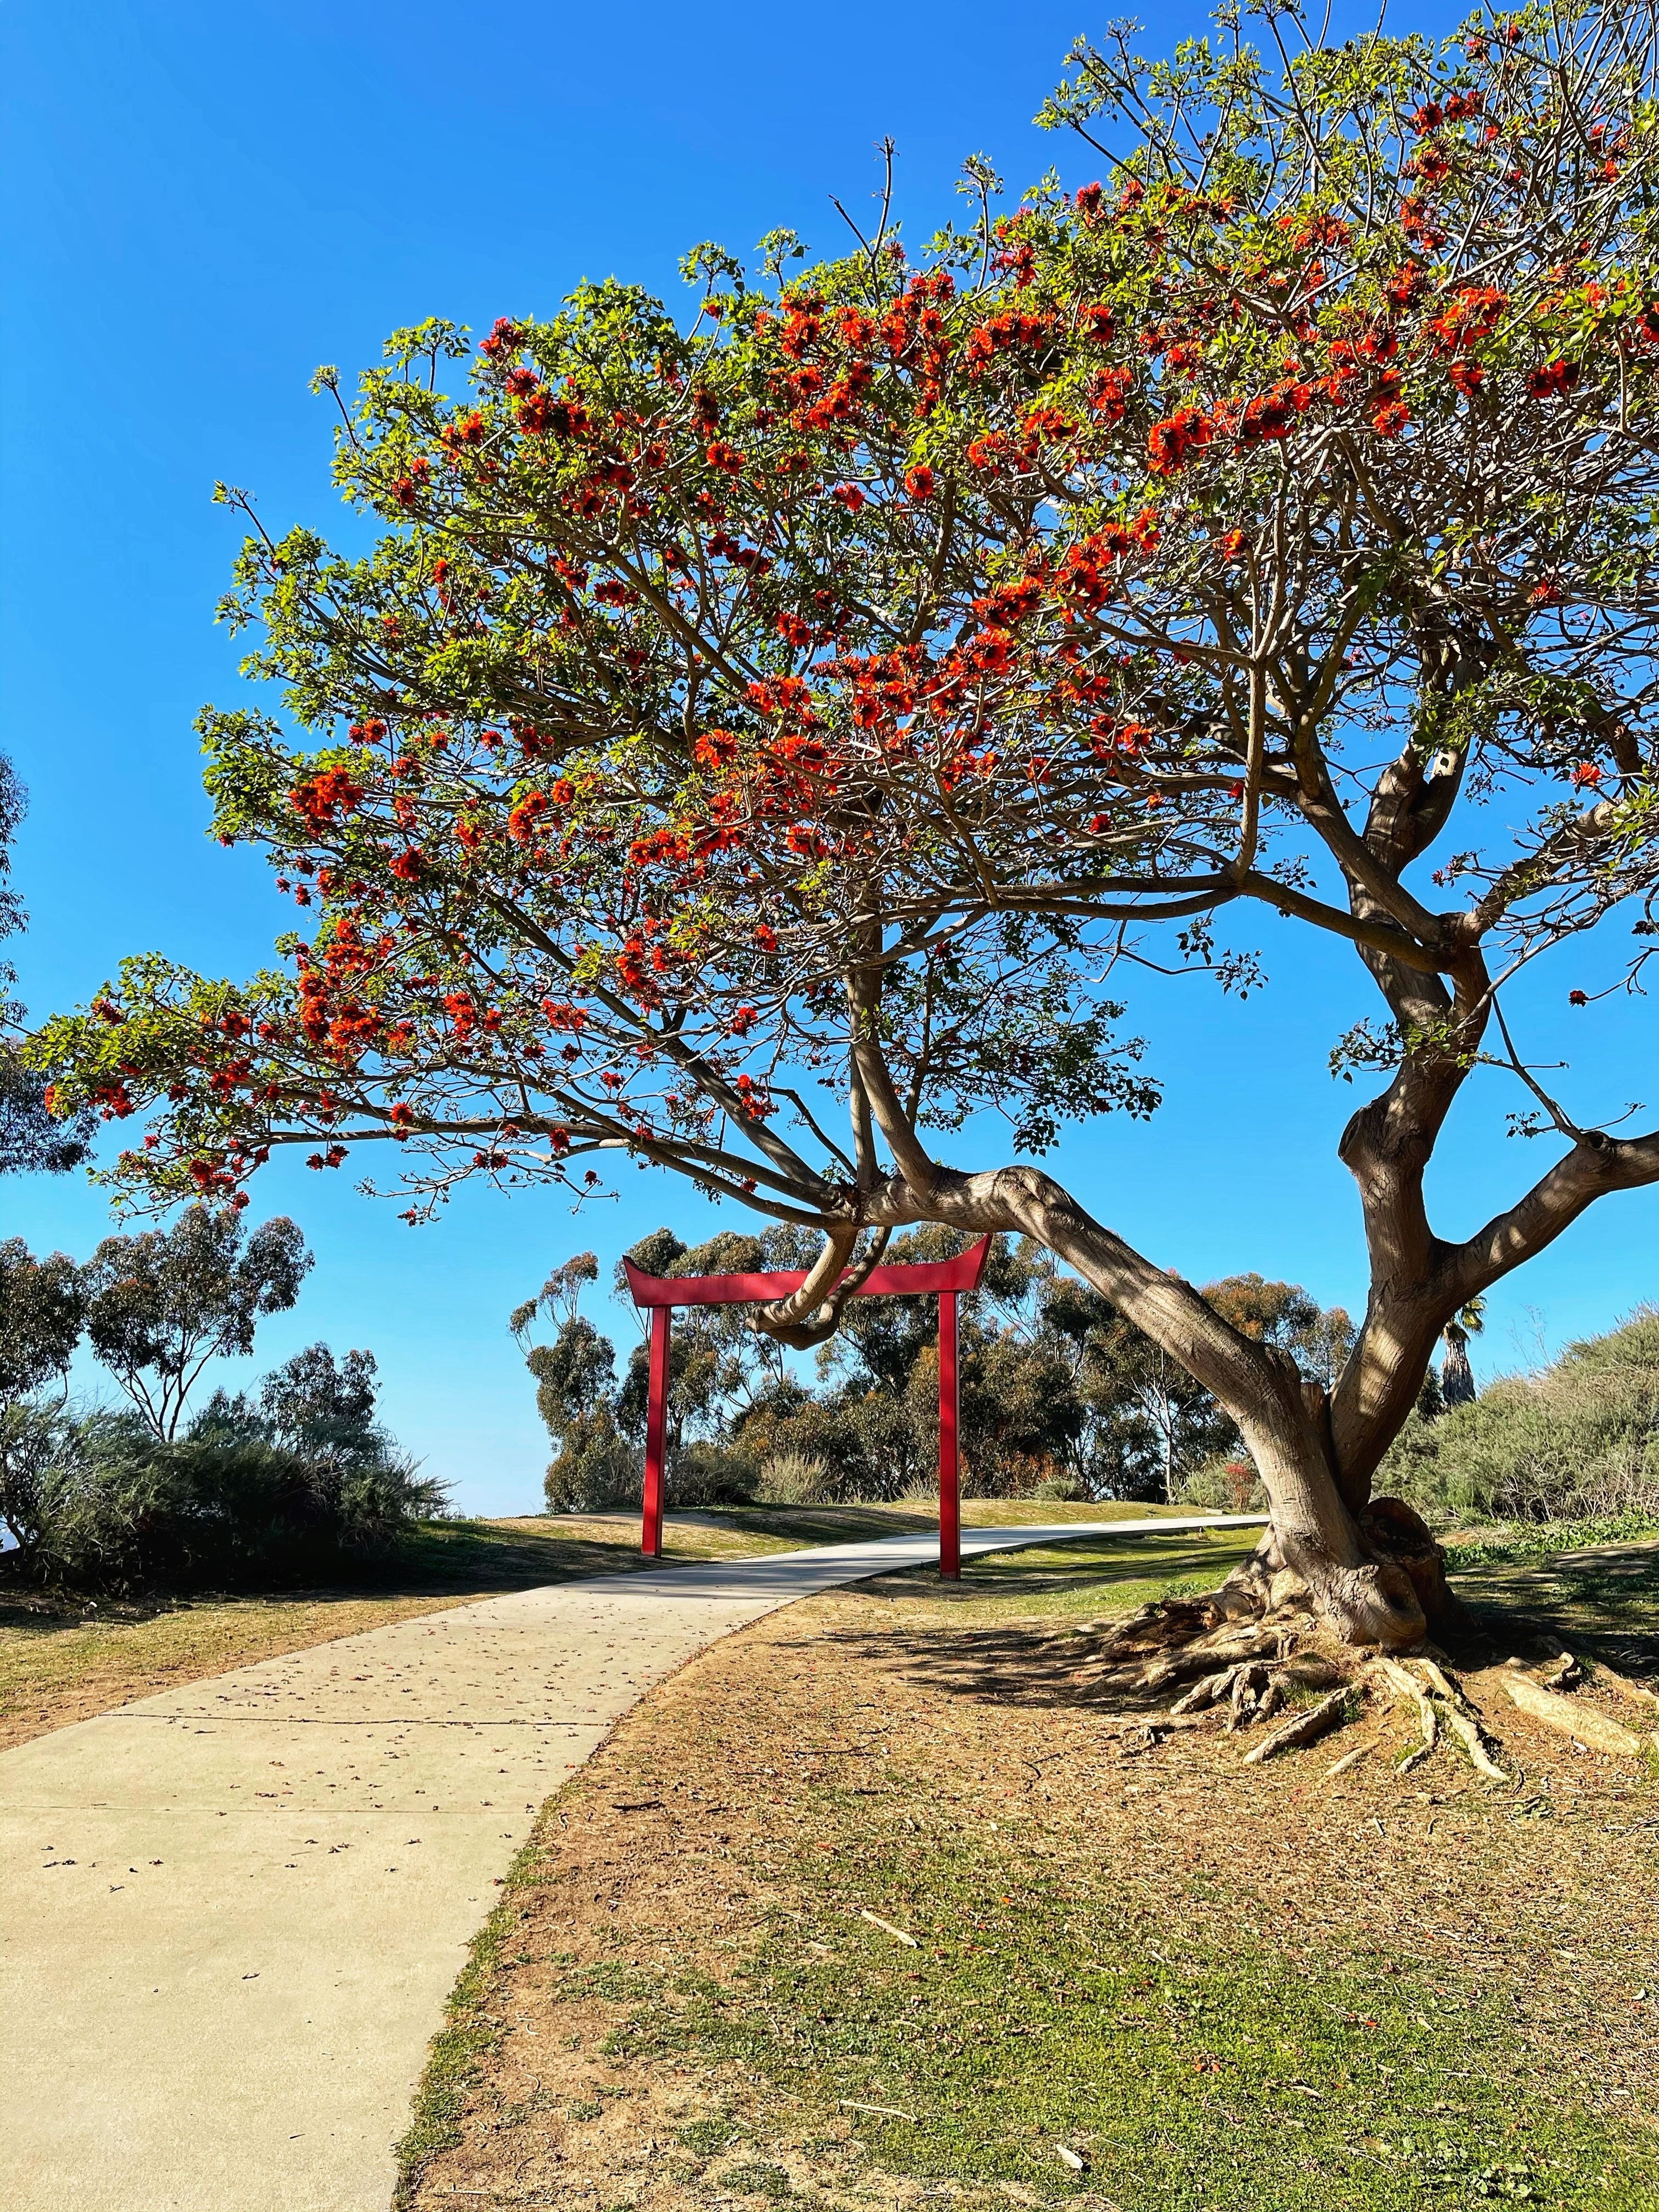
point(231, 1914)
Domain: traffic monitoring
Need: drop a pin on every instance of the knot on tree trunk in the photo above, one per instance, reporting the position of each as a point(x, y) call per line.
point(1371, 1603)
point(1395, 1533)
point(1374, 1605)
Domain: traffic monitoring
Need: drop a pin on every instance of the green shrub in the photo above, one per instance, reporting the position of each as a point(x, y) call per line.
point(1062, 1487)
point(706, 1472)
point(1579, 1441)
point(810, 1450)
point(1223, 1483)
point(302, 1487)
point(36, 1443)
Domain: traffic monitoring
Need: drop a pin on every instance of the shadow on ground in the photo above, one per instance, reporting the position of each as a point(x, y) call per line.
point(1602, 1600)
point(1003, 1661)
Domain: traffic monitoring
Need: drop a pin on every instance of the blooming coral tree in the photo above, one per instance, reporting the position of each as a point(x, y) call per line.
point(752, 748)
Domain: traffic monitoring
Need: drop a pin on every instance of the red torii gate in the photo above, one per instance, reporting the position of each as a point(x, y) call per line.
point(945, 1279)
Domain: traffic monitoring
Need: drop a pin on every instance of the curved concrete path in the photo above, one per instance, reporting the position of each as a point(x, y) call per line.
point(231, 1914)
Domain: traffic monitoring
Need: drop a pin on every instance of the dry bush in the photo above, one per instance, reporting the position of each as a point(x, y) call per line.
point(792, 1476)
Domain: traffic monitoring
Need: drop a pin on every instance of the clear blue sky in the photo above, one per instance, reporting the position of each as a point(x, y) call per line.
point(203, 202)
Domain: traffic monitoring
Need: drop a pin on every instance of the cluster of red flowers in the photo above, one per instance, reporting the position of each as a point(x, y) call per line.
point(1272, 415)
point(540, 413)
point(1171, 442)
point(113, 1100)
point(1469, 318)
point(784, 699)
point(522, 821)
point(1108, 394)
point(321, 799)
point(1011, 331)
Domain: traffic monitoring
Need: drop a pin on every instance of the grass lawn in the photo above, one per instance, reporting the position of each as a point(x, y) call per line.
point(63, 1659)
point(1603, 1597)
point(1142, 1976)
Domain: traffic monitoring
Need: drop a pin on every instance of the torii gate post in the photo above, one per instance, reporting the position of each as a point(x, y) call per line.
point(945, 1279)
point(950, 1471)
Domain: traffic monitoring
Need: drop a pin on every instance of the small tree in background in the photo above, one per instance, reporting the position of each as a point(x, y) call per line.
point(160, 1305)
point(1456, 1375)
point(829, 703)
point(1149, 1421)
point(1152, 1419)
point(42, 1313)
point(575, 1395)
point(315, 1402)
point(305, 1482)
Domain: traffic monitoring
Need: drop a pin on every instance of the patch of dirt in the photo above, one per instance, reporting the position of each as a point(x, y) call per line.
point(676, 1849)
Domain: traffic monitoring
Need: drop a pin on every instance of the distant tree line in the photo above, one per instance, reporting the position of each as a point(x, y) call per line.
point(1061, 1395)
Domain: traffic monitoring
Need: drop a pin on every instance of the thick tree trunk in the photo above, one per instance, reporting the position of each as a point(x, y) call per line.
point(1369, 1568)
point(1376, 1577)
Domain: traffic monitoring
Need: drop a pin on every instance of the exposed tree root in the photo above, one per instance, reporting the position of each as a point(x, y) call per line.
point(1635, 1693)
point(1256, 1647)
point(1474, 1743)
point(1436, 1699)
point(1569, 1716)
point(1218, 1666)
point(1231, 1659)
point(1411, 1691)
point(1465, 1722)
point(1305, 1727)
